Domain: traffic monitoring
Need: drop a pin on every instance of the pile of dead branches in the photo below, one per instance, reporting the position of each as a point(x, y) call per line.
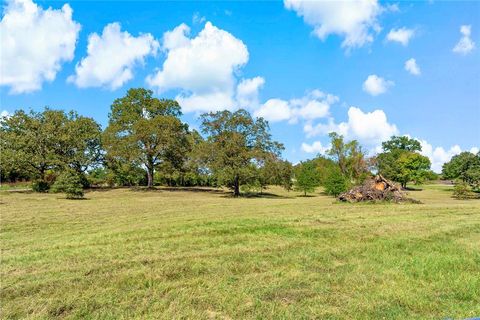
point(376, 189)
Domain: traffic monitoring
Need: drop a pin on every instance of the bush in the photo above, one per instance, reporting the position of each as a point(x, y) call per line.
point(70, 183)
point(40, 186)
point(462, 190)
point(335, 183)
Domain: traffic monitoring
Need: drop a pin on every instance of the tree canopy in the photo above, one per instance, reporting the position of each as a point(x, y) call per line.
point(145, 130)
point(235, 145)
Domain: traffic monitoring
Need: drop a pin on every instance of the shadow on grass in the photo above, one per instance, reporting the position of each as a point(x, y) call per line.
point(254, 195)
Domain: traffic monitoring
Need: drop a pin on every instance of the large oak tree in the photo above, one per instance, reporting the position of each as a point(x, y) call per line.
point(145, 130)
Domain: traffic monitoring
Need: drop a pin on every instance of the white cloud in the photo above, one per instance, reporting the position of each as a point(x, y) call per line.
point(197, 18)
point(4, 114)
point(474, 150)
point(402, 35)
point(438, 156)
point(275, 110)
point(316, 147)
point(247, 92)
point(314, 105)
point(202, 67)
point(412, 67)
point(354, 20)
point(35, 42)
point(375, 85)
point(111, 58)
point(465, 45)
point(369, 128)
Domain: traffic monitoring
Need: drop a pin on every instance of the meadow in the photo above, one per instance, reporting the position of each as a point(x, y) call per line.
point(201, 254)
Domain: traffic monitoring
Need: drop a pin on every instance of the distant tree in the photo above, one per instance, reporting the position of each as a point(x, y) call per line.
point(401, 143)
point(39, 143)
point(69, 182)
point(145, 131)
point(464, 166)
point(349, 156)
point(335, 183)
point(401, 162)
point(307, 178)
point(235, 143)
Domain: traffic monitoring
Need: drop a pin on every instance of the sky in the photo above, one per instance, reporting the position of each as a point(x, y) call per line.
point(365, 69)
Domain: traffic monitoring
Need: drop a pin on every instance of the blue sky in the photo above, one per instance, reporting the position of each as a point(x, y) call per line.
point(302, 65)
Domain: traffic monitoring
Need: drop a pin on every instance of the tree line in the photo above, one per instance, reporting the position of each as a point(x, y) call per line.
point(146, 143)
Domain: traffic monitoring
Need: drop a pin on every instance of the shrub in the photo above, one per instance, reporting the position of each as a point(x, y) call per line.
point(40, 186)
point(461, 190)
point(335, 183)
point(70, 183)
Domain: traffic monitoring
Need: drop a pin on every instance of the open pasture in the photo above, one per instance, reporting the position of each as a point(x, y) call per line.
point(200, 254)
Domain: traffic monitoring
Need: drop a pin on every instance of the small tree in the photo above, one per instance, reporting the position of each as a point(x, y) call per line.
point(335, 183)
point(70, 183)
point(307, 177)
point(462, 191)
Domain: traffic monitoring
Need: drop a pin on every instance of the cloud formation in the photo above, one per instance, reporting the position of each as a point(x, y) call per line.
point(35, 43)
point(375, 85)
point(111, 58)
point(356, 21)
point(203, 68)
point(369, 128)
point(401, 35)
point(412, 67)
point(316, 147)
point(314, 105)
point(465, 45)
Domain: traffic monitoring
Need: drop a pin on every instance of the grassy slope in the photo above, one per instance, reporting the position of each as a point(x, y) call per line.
point(177, 254)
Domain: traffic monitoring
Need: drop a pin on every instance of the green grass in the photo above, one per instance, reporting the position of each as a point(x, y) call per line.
point(126, 254)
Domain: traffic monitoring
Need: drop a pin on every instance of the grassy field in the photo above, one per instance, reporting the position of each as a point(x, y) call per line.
point(126, 254)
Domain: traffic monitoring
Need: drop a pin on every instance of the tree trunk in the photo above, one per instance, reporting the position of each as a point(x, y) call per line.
point(236, 187)
point(149, 166)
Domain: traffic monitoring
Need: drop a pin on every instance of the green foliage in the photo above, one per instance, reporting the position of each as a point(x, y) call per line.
point(401, 161)
point(70, 183)
point(349, 156)
point(40, 186)
point(37, 143)
point(335, 183)
point(235, 144)
point(144, 130)
point(307, 178)
point(464, 166)
point(324, 166)
point(401, 143)
point(462, 190)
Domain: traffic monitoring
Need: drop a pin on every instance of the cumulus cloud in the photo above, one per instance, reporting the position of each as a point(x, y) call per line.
point(375, 85)
point(370, 128)
point(203, 68)
point(247, 92)
point(316, 147)
point(35, 42)
point(438, 156)
point(354, 20)
point(465, 45)
point(4, 114)
point(402, 35)
point(111, 58)
point(412, 67)
point(314, 105)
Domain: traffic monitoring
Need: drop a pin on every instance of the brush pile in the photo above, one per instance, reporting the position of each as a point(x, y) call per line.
point(376, 189)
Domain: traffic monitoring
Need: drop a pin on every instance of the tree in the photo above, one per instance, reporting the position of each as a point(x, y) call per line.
point(307, 177)
point(39, 143)
point(335, 183)
point(70, 183)
point(464, 166)
point(401, 143)
point(401, 162)
point(146, 131)
point(235, 143)
point(349, 157)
